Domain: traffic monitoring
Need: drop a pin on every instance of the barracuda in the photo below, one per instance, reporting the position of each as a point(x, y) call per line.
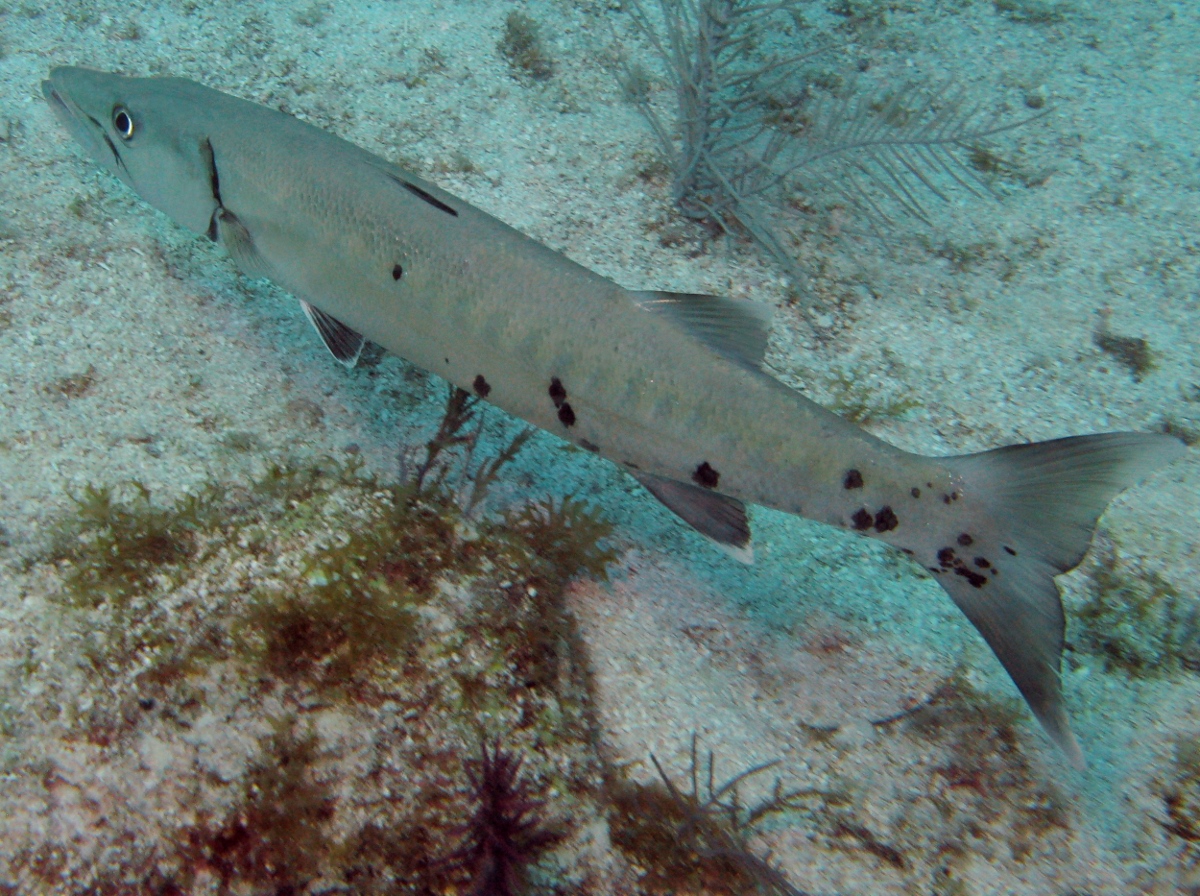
point(669, 386)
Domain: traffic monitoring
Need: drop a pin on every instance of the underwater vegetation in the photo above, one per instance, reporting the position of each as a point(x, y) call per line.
point(1136, 621)
point(522, 46)
point(275, 832)
point(506, 833)
point(1132, 352)
point(699, 837)
point(308, 594)
point(746, 127)
point(1181, 797)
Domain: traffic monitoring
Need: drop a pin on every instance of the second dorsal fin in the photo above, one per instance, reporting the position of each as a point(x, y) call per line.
point(734, 329)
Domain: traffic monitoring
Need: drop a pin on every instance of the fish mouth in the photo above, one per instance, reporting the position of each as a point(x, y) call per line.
point(66, 112)
point(58, 104)
point(52, 96)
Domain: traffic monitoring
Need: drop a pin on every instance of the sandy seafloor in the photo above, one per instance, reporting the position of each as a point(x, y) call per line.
point(192, 372)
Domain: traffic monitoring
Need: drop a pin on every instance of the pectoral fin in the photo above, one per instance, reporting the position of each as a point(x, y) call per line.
point(343, 343)
point(231, 233)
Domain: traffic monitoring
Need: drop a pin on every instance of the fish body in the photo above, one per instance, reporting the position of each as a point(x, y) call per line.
point(669, 386)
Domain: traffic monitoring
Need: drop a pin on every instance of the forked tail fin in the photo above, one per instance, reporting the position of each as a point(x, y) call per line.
point(1038, 506)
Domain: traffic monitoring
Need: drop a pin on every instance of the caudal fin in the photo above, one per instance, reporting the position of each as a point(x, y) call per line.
point(1037, 507)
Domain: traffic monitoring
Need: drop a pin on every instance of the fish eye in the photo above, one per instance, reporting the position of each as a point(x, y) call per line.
point(123, 122)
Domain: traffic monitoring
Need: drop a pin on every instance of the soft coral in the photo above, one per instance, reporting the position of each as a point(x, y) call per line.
point(506, 833)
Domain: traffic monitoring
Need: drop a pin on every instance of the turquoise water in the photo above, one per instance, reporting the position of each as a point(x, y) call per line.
point(190, 702)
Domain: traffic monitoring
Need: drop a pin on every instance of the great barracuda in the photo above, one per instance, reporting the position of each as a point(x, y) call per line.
point(669, 386)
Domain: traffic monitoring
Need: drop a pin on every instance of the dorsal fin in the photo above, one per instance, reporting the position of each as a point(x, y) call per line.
point(735, 329)
point(721, 518)
point(343, 343)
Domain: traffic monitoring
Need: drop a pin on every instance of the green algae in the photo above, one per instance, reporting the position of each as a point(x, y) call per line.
point(521, 44)
point(1137, 622)
point(119, 543)
point(855, 397)
point(314, 585)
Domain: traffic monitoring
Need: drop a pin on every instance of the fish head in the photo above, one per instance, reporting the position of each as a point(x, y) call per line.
point(145, 131)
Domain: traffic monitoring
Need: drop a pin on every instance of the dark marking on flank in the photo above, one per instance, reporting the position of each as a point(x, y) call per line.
point(447, 360)
point(422, 194)
point(1010, 550)
point(588, 446)
point(862, 519)
point(970, 575)
point(481, 386)
point(885, 520)
point(945, 499)
point(566, 416)
point(853, 480)
point(965, 540)
point(705, 476)
point(558, 392)
point(915, 492)
point(950, 560)
point(982, 562)
point(954, 495)
point(397, 271)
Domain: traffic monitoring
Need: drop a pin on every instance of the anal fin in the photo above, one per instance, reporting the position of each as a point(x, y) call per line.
point(717, 516)
point(343, 343)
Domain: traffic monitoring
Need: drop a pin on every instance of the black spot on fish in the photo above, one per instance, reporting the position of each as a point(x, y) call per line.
point(397, 272)
point(588, 446)
point(558, 393)
point(422, 194)
point(862, 519)
point(566, 415)
point(965, 540)
point(954, 495)
point(704, 475)
point(950, 560)
point(982, 562)
point(945, 499)
point(447, 360)
point(885, 520)
point(915, 492)
point(1010, 550)
point(481, 386)
point(853, 480)
point(970, 575)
